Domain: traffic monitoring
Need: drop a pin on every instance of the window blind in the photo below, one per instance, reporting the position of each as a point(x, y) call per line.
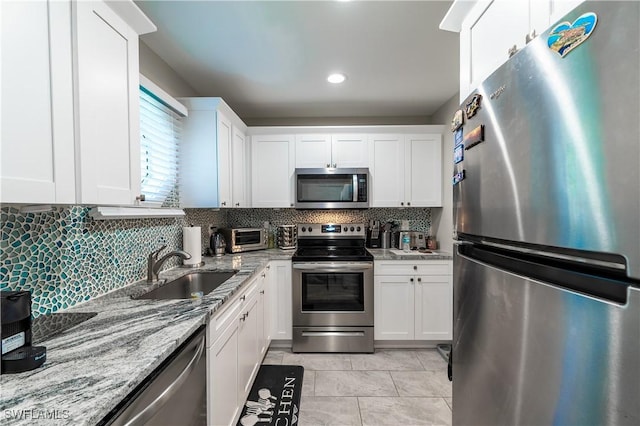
point(160, 134)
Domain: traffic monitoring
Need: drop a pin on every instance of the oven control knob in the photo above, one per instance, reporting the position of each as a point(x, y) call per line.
point(352, 229)
point(345, 229)
point(304, 229)
point(310, 229)
point(358, 229)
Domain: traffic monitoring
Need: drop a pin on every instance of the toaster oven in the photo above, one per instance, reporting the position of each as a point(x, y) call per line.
point(245, 239)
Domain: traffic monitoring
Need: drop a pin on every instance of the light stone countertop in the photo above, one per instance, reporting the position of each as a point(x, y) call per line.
point(96, 364)
point(388, 254)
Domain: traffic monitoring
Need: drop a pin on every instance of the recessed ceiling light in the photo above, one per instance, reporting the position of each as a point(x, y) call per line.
point(336, 78)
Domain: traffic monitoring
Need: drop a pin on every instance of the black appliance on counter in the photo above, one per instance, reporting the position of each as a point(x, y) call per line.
point(374, 235)
point(18, 354)
point(332, 278)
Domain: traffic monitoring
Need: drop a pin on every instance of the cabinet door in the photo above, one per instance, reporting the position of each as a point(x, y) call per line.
point(239, 172)
point(199, 181)
point(394, 308)
point(349, 151)
point(247, 346)
point(261, 312)
point(434, 307)
point(423, 170)
point(37, 145)
point(222, 378)
point(224, 140)
point(265, 319)
point(313, 150)
point(107, 115)
point(386, 163)
point(281, 300)
point(482, 48)
point(272, 168)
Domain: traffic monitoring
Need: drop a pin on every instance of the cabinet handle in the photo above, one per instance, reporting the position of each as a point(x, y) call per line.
point(243, 317)
point(402, 203)
point(411, 279)
point(328, 165)
point(419, 280)
point(244, 297)
point(415, 268)
point(291, 204)
point(264, 275)
point(529, 37)
point(224, 203)
point(268, 266)
point(262, 292)
point(141, 197)
point(237, 204)
point(513, 50)
point(335, 165)
point(408, 203)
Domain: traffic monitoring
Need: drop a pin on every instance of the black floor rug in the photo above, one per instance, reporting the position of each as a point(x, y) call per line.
point(274, 397)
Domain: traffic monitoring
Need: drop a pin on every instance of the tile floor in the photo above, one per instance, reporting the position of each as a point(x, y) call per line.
point(389, 387)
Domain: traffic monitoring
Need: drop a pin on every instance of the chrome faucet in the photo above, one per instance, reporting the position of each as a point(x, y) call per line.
point(154, 264)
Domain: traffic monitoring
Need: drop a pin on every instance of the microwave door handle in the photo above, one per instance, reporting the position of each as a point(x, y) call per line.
point(355, 188)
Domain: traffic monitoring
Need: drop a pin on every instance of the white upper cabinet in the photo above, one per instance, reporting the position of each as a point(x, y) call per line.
point(224, 142)
point(490, 28)
point(239, 193)
point(313, 151)
point(327, 150)
point(423, 170)
point(71, 68)
point(272, 170)
point(349, 150)
point(406, 170)
point(37, 148)
point(212, 155)
point(386, 162)
point(107, 114)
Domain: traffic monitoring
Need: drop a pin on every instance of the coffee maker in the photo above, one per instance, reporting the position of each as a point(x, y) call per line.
point(18, 353)
point(374, 236)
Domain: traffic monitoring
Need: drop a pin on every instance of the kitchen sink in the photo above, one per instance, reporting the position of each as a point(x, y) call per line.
point(190, 286)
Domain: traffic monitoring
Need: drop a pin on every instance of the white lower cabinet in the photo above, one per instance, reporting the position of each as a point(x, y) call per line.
point(236, 344)
point(413, 300)
point(281, 300)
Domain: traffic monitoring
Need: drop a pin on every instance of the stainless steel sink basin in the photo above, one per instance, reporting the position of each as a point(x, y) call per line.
point(190, 286)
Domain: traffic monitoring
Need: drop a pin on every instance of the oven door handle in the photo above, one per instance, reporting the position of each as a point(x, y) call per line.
point(334, 267)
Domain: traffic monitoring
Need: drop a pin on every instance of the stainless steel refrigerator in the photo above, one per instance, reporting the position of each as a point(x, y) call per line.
point(547, 221)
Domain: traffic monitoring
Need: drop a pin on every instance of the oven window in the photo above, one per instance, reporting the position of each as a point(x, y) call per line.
point(248, 237)
point(314, 188)
point(332, 291)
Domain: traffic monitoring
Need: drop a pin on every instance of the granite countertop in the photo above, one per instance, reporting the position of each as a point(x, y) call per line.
point(394, 254)
point(93, 366)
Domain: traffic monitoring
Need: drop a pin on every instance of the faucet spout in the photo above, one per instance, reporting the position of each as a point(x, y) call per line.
point(154, 264)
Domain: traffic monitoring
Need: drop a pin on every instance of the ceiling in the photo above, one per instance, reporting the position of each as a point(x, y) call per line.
point(270, 59)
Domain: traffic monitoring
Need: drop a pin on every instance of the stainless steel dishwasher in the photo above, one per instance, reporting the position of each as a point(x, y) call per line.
point(174, 394)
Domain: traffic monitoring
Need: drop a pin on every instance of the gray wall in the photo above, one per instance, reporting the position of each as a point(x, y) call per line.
point(157, 70)
point(442, 219)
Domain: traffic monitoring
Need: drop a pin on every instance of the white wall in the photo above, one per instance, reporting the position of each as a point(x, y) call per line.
point(157, 70)
point(442, 219)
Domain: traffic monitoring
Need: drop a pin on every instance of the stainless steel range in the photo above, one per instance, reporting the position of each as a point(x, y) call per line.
point(332, 289)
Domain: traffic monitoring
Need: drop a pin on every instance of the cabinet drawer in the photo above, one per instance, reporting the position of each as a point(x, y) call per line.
point(233, 307)
point(407, 267)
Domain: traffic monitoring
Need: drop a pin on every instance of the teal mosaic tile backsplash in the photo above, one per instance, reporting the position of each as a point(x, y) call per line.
point(65, 257)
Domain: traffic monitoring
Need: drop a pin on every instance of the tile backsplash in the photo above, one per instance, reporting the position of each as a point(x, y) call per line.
point(65, 257)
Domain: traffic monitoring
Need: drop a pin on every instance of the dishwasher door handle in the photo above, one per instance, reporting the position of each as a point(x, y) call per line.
point(150, 410)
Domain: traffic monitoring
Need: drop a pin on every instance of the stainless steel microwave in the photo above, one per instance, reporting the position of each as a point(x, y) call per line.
point(245, 239)
point(332, 188)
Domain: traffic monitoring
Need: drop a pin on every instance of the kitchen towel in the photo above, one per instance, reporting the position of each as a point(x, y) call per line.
point(192, 244)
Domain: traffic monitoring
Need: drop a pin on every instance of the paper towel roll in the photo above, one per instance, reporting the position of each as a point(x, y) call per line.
point(192, 244)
